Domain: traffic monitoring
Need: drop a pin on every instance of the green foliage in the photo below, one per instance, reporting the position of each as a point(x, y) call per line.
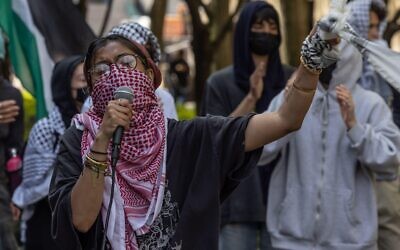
point(186, 110)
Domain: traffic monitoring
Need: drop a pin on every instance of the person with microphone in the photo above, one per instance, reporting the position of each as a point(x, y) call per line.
point(171, 175)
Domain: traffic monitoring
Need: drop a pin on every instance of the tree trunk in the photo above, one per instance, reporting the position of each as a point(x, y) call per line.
point(201, 50)
point(208, 37)
point(298, 15)
point(106, 17)
point(203, 54)
point(223, 52)
point(157, 15)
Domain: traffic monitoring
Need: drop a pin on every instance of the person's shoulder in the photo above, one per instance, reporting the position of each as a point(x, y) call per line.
point(207, 120)
point(195, 122)
point(9, 90)
point(41, 134)
point(222, 76)
point(163, 93)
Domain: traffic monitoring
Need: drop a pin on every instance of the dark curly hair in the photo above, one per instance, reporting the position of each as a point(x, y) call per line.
point(379, 9)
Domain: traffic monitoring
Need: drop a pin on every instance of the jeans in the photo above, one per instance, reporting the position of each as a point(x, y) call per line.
point(7, 238)
point(244, 236)
point(388, 198)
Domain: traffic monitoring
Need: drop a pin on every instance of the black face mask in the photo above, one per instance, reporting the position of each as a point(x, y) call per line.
point(81, 95)
point(326, 75)
point(263, 44)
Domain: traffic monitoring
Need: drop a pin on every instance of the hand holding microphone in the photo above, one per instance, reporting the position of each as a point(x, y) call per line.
point(118, 113)
point(117, 117)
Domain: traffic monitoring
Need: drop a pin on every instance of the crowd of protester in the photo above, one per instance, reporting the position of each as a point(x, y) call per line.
point(245, 174)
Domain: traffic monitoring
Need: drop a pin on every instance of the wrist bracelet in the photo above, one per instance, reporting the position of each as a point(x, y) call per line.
point(98, 152)
point(97, 170)
point(99, 164)
point(301, 89)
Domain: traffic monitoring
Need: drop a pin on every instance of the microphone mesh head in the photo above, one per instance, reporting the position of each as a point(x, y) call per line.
point(124, 92)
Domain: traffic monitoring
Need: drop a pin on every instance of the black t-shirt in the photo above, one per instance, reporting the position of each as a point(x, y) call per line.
point(205, 162)
point(222, 96)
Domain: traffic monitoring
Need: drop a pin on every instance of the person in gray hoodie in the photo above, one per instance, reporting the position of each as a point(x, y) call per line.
point(321, 191)
point(368, 19)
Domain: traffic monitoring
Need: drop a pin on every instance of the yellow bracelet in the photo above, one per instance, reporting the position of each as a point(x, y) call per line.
point(99, 164)
point(312, 71)
point(97, 171)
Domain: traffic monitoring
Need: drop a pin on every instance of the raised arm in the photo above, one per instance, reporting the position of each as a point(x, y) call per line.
point(267, 127)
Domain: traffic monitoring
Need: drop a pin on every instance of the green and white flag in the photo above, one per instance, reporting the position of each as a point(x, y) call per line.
point(41, 32)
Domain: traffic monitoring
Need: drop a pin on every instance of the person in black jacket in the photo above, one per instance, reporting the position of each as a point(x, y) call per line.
point(11, 137)
point(68, 86)
point(255, 78)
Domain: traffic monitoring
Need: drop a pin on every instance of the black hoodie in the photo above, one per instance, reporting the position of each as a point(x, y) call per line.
point(61, 87)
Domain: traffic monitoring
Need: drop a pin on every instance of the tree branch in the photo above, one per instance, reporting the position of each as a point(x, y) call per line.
point(106, 17)
point(207, 10)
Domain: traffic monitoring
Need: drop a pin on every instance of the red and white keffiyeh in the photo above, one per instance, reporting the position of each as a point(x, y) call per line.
point(140, 171)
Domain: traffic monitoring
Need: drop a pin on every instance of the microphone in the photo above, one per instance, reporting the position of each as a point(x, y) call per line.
point(122, 92)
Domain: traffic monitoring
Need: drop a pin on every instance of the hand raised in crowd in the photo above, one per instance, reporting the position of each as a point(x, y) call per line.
point(8, 111)
point(346, 104)
point(256, 81)
point(118, 113)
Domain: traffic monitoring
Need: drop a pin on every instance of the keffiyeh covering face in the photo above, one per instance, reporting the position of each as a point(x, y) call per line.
point(140, 172)
point(138, 33)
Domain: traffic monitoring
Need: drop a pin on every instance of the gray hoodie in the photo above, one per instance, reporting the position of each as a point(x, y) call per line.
point(321, 192)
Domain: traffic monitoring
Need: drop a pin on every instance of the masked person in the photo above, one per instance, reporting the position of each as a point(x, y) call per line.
point(368, 18)
point(168, 188)
point(255, 77)
point(321, 191)
point(11, 138)
point(137, 33)
point(68, 86)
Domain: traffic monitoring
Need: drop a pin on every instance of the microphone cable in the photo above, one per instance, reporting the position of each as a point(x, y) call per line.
point(113, 166)
point(122, 92)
